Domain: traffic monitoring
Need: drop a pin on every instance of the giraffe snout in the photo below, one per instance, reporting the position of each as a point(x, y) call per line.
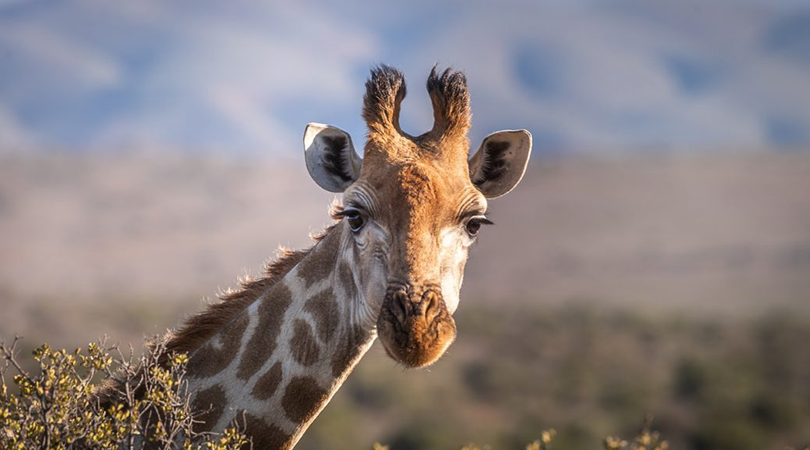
point(414, 325)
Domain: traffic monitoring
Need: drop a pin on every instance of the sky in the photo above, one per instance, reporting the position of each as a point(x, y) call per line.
point(245, 78)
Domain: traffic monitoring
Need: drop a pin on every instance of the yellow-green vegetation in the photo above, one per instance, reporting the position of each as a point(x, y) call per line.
point(737, 383)
point(56, 406)
point(645, 440)
point(741, 384)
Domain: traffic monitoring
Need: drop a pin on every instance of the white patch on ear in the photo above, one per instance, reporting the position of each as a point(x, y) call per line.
point(499, 164)
point(330, 156)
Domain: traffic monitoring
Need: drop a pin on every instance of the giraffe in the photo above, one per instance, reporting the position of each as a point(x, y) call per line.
point(270, 356)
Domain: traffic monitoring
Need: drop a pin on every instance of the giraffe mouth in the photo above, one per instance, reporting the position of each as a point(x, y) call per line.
point(415, 333)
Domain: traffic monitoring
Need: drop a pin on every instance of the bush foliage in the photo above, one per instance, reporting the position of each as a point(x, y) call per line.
point(57, 406)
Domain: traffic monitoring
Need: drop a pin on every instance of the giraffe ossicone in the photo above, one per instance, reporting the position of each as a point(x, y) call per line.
point(270, 356)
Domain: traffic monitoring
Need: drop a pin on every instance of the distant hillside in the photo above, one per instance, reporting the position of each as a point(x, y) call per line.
point(694, 235)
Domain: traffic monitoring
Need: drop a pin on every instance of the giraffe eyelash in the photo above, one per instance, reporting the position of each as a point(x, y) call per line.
point(482, 219)
point(348, 210)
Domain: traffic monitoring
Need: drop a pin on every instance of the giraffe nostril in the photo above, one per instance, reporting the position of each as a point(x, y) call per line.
point(426, 306)
point(400, 305)
point(432, 307)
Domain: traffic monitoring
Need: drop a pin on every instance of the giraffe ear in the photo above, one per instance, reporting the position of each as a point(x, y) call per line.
point(330, 156)
point(499, 164)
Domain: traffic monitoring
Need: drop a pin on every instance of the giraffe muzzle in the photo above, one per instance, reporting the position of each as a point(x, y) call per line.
point(415, 327)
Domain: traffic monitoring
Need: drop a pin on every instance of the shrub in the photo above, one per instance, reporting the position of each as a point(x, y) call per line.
point(58, 406)
point(99, 398)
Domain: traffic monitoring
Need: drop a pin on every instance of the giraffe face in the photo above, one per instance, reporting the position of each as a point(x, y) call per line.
point(411, 224)
point(412, 208)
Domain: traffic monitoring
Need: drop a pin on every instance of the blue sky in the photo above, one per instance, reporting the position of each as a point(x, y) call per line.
point(245, 78)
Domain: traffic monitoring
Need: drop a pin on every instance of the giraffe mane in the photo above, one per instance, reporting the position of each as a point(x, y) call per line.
point(201, 327)
point(204, 325)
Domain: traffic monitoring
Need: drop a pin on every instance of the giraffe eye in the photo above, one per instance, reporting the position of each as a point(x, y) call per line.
point(474, 224)
point(355, 220)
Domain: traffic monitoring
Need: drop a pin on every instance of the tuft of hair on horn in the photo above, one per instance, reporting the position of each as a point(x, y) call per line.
point(451, 102)
point(385, 90)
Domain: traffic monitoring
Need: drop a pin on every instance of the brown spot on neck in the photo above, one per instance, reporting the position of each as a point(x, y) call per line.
point(320, 262)
point(207, 408)
point(267, 384)
point(262, 435)
point(303, 347)
point(208, 360)
point(349, 351)
point(324, 309)
point(263, 342)
point(303, 398)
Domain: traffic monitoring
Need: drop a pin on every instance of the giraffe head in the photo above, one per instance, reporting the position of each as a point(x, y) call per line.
point(413, 205)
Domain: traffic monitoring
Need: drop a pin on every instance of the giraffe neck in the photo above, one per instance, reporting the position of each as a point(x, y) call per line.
point(277, 364)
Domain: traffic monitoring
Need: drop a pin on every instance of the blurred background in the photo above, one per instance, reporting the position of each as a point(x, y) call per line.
point(655, 259)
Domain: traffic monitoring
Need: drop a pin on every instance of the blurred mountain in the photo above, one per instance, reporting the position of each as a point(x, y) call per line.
point(151, 236)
